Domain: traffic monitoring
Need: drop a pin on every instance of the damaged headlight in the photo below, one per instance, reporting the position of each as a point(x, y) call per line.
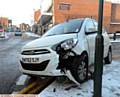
point(69, 44)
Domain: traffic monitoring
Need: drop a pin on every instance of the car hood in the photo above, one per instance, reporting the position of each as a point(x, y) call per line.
point(48, 41)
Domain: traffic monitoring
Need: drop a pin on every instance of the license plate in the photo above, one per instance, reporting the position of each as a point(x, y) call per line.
point(30, 60)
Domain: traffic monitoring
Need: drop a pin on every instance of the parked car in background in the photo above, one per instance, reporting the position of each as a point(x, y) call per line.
point(2, 33)
point(18, 33)
point(67, 49)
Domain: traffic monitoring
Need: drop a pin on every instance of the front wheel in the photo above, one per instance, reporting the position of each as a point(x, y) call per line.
point(79, 68)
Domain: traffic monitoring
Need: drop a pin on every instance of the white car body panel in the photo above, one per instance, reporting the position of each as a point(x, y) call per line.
point(51, 68)
point(106, 44)
point(48, 41)
point(85, 43)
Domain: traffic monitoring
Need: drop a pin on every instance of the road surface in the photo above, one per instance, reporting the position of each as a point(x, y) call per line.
point(9, 62)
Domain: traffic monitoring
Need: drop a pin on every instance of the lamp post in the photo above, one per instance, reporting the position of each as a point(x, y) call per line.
point(99, 49)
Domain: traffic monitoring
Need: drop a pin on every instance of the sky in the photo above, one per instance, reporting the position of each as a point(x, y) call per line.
point(19, 10)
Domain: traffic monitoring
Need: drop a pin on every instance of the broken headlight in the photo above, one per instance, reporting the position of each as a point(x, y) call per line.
point(69, 44)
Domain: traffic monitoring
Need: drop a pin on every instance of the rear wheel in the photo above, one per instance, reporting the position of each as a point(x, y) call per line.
point(108, 59)
point(79, 68)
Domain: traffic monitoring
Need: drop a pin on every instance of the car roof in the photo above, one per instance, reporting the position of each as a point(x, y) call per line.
point(72, 20)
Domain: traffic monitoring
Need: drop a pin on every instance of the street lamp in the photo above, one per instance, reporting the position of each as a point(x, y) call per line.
point(99, 54)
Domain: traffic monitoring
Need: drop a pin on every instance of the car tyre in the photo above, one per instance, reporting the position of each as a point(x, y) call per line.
point(79, 68)
point(108, 59)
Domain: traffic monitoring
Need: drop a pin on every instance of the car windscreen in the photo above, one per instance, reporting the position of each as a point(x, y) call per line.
point(69, 27)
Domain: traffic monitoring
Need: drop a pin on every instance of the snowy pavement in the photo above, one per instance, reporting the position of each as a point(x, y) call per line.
point(110, 86)
point(117, 40)
point(7, 35)
point(30, 34)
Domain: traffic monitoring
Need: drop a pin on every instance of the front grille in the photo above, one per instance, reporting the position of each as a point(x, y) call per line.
point(35, 67)
point(35, 52)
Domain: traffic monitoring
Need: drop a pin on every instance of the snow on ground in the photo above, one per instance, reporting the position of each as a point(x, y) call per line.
point(30, 34)
point(111, 85)
point(117, 40)
point(7, 35)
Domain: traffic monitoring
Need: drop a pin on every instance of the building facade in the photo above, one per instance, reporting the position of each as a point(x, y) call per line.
point(37, 15)
point(63, 10)
point(4, 22)
point(67, 9)
point(25, 27)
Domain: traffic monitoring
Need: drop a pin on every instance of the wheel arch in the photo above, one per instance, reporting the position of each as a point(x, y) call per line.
point(85, 52)
point(74, 67)
point(108, 59)
point(110, 48)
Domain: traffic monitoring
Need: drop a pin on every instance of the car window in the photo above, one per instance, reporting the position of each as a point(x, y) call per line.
point(90, 27)
point(72, 26)
point(95, 24)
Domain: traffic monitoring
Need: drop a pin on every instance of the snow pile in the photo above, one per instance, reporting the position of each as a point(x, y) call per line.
point(30, 34)
point(7, 35)
point(111, 85)
point(111, 80)
point(117, 40)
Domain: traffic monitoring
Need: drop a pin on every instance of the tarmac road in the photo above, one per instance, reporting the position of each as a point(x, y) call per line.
point(9, 62)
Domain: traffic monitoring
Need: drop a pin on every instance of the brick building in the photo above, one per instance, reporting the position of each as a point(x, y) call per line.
point(63, 10)
point(4, 22)
point(25, 27)
point(67, 9)
point(115, 18)
point(37, 15)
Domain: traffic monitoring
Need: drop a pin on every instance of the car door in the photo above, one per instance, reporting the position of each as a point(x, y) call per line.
point(106, 42)
point(105, 37)
point(91, 32)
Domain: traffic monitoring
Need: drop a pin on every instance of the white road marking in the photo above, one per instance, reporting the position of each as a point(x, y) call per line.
point(22, 79)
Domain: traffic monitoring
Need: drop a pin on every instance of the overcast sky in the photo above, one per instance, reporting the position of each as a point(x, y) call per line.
point(19, 10)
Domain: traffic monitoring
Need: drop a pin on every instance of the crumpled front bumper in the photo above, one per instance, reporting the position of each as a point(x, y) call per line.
point(46, 65)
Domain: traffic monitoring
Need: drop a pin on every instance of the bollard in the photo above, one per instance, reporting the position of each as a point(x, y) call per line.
point(114, 36)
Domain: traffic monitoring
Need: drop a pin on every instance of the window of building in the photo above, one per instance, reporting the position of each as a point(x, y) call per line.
point(64, 6)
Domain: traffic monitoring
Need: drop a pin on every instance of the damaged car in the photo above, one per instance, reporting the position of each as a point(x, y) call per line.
point(67, 49)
